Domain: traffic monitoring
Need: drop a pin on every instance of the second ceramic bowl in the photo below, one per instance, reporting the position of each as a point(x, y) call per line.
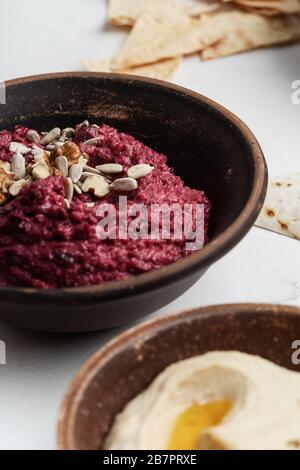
point(127, 365)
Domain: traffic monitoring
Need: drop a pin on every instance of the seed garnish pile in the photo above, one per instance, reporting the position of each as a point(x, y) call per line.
point(55, 153)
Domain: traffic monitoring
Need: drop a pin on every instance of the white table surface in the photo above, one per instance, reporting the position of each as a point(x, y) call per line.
point(50, 36)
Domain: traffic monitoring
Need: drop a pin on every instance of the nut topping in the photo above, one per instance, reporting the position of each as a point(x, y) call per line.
point(6, 179)
point(97, 185)
point(69, 189)
point(41, 170)
point(90, 169)
point(75, 172)
point(16, 187)
point(77, 189)
point(18, 166)
point(110, 168)
point(51, 136)
point(5, 166)
point(71, 151)
point(124, 185)
point(61, 163)
point(33, 137)
point(139, 171)
point(94, 141)
point(17, 147)
point(63, 158)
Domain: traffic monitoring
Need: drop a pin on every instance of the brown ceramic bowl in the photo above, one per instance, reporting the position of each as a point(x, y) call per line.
point(128, 364)
point(209, 147)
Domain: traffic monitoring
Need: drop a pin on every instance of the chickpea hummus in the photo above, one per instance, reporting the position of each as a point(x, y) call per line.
point(218, 401)
point(51, 185)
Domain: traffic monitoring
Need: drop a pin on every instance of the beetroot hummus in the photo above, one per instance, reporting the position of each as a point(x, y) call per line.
point(50, 241)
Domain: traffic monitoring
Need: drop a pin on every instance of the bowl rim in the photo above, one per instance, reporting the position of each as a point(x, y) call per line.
point(65, 438)
point(214, 250)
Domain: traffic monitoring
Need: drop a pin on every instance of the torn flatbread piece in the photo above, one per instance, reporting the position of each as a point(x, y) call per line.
point(281, 211)
point(162, 70)
point(164, 32)
point(271, 6)
point(125, 12)
point(245, 31)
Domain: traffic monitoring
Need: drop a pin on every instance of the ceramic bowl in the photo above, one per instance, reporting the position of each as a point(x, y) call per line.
point(208, 147)
point(127, 365)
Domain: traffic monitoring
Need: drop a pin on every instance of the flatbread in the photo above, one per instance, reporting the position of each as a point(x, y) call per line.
point(279, 6)
point(262, 11)
point(164, 32)
point(244, 31)
point(281, 211)
point(161, 70)
point(126, 12)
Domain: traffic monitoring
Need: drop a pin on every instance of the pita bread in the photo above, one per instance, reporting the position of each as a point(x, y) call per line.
point(262, 11)
point(243, 31)
point(161, 70)
point(202, 7)
point(279, 6)
point(281, 211)
point(126, 12)
point(164, 32)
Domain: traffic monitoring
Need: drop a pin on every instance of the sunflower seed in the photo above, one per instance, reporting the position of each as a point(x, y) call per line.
point(96, 126)
point(37, 150)
point(67, 204)
point(66, 134)
point(110, 168)
point(68, 131)
point(93, 141)
point(61, 163)
point(97, 185)
point(69, 189)
point(41, 170)
point(17, 147)
point(139, 171)
point(18, 166)
point(82, 161)
point(90, 169)
point(40, 155)
point(75, 172)
point(58, 144)
point(53, 135)
point(86, 174)
point(33, 137)
point(84, 123)
point(50, 147)
point(16, 187)
point(124, 185)
point(77, 189)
